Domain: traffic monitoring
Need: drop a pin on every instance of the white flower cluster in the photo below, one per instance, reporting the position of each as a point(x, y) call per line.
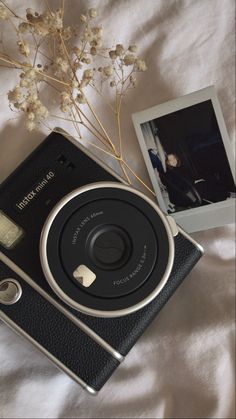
point(81, 98)
point(140, 65)
point(42, 24)
point(15, 95)
point(67, 66)
point(29, 79)
point(24, 48)
point(108, 71)
point(121, 58)
point(25, 98)
point(66, 102)
point(93, 35)
point(67, 33)
point(92, 13)
point(60, 66)
point(35, 112)
point(87, 77)
point(128, 57)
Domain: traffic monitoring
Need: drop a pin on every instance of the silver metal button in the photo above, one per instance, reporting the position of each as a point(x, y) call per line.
point(10, 291)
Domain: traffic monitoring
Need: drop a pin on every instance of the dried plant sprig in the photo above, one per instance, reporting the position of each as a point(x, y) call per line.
point(73, 62)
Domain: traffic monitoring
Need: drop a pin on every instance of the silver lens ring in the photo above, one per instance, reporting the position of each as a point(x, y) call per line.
point(53, 283)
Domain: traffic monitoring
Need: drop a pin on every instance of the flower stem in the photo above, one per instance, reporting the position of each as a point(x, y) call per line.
point(21, 65)
point(101, 125)
point(138, 178)
point(97, 134)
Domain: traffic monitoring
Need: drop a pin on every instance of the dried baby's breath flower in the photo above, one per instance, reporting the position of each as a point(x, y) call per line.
point(93, 35)
point(24, 27)
point(37, 108)
point(86, 59)
point(108, 71)
point(45, 23)
point(81, 98)
point(93, 51)
point(83, 18)
point(67, 60)
point(4, 12)
point(92, 13)
point(24, 48)
point(66, 102)
point(60, 65)
point(76, 50)
point(67, 33)
point(129, 59)
point(29, 74)
point(140, 65)
point(96, 43)
point(29, 12)
point(112, 54)
point(15, 95)
point(21, 106)
point(30, 125)
point(119, 50)
point(31, 104)
point(31, 116)
point(29, 77)
point(87, 76)
point(133, 48)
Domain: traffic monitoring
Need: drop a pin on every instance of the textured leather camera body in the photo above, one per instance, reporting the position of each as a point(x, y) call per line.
point(87, 348)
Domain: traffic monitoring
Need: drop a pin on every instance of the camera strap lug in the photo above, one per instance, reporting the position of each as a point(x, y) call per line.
point(173, 225)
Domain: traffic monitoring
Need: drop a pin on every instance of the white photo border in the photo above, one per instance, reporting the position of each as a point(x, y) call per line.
point(207, 216)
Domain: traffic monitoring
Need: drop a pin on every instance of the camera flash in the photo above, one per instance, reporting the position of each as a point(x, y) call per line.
point(84, 275)
point(10, 233)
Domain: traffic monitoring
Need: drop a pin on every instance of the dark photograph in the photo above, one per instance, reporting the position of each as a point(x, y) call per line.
point(188, 157)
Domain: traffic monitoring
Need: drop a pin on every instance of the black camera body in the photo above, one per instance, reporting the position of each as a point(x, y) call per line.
point(86, 261)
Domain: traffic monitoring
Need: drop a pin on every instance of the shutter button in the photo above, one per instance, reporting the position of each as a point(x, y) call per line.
point(10, 291)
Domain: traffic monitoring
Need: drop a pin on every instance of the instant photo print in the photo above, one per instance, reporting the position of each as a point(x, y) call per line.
point(190, 159)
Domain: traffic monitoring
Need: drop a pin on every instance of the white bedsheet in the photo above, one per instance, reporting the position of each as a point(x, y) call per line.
point(183, 366)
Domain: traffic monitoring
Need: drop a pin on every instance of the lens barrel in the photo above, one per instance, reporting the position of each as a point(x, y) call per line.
point(106, 249)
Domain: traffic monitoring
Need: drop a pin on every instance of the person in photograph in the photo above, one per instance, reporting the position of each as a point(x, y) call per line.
point(176, 189)
point(185, 191)
point(171, 160)
point(181, 191)
point(192, 191)
point(182, 188)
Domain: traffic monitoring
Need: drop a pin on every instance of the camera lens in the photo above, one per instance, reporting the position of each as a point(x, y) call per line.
point(114, 240)
point(109, 247)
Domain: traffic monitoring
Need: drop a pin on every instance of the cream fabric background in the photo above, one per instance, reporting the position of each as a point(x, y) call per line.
point(183, 367)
